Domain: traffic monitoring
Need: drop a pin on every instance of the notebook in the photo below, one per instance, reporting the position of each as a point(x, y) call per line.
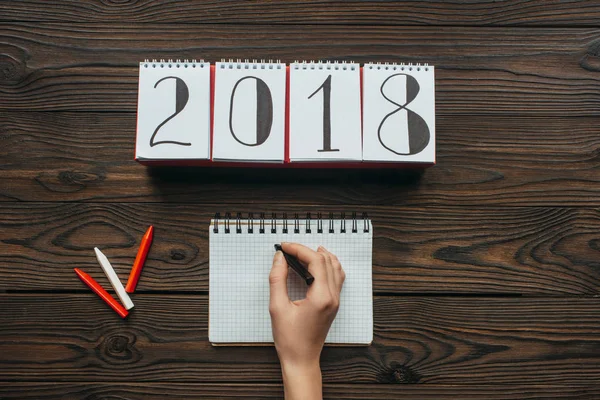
point(305, 114)
point(241, 256)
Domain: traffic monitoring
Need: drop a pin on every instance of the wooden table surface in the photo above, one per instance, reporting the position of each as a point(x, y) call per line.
point(486, 267)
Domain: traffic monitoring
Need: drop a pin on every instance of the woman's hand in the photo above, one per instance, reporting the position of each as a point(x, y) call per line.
point(300, 327)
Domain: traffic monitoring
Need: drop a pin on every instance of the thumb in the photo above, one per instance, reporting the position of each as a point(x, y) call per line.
point(278, 281)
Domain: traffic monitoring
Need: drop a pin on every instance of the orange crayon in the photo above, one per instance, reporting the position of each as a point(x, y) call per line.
point(140, 259)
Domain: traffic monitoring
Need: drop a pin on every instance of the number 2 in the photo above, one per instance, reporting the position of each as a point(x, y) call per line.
point(182, 95)
point(326, 86)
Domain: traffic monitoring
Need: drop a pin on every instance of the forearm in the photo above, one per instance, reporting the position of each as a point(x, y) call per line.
point(302, 383)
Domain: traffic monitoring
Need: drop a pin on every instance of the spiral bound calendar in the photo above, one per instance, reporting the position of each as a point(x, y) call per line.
point(241, 256)
point(305, 114)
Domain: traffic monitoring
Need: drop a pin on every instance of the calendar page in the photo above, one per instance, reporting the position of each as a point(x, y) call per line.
point(173, 111)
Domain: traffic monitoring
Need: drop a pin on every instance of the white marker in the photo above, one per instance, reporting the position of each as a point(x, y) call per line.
point(114, 279)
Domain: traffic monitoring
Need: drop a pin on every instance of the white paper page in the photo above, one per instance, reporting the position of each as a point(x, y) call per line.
point(239, 281)
point(325, 115)
point(249, 114)
point(173, 111)
point(400, 127)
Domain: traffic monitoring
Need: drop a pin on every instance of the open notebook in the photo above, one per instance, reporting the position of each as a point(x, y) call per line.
point(240, 261)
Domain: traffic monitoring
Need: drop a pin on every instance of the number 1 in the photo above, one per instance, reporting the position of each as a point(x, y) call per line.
point(326, 86)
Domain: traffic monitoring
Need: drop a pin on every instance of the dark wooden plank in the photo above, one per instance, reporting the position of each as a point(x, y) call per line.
point(460, 341)
point(481, 161)
point(430, 12)
point(499, 71)
point(158, 391)
point(534, 251)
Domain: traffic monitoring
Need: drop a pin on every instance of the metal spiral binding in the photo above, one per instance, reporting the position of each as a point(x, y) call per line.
point(216, 219)
point(261, 223)
point(324, 65)
point(398, 67)
point(319, 223)
point(296, 223)
point(238, 223)
point(250, 64)
point(169, 63)
point(250, 223)
point(331, 227)
point(226, 223)
point(227, 220)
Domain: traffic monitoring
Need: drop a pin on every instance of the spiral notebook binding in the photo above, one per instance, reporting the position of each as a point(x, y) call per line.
point(324, 65)
point(225, 223)
point(261, 223)
point(178, 63)
point(250, 223)
point(250, 64)
point(238, 223)
point(331, 227)
point(398, 66)
point(296, 223)
point(277, 64)
point(319, 223)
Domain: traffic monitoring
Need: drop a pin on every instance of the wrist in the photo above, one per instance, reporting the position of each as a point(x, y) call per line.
point(304, 367)
point(302, 380)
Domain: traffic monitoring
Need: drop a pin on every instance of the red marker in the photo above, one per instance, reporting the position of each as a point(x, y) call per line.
point(104, 295)
point(140, 259)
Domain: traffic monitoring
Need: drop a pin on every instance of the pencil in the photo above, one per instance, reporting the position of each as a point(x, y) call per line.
point(114, 279)
point(140, 259)
point(104, 295)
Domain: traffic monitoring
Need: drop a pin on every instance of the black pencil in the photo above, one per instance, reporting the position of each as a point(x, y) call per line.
point(296, 266)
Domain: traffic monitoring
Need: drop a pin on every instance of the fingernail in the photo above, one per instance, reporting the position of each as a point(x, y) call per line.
point(278, 257)
point(321, 248)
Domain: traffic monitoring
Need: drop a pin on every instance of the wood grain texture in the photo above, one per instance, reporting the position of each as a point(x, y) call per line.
point(534, 251)
point(175, 390)
point(416, 340)
point(491, 71)
point(489, 161)
point(430, 12)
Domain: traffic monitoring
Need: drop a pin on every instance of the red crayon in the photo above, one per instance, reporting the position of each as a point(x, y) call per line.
point(140, 259)
point(104, 295)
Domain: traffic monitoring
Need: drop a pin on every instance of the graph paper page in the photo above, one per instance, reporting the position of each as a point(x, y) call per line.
point(239, 280)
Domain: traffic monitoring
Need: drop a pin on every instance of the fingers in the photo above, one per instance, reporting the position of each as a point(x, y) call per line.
point(301, 252)
point(278, 283)
point(310, 258)
point(329, 269)
point(337, 273)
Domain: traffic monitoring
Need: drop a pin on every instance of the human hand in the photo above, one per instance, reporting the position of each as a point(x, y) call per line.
point(300, 327)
